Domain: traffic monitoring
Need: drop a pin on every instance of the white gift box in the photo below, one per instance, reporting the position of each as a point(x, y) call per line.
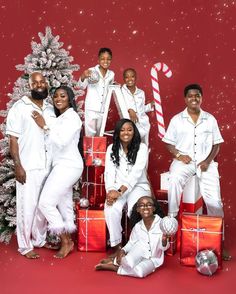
point(191, 198)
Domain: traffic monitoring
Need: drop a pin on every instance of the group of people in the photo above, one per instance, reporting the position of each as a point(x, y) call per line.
point(44, 147)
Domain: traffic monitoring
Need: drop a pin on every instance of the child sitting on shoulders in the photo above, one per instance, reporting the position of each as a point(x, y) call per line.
point(144, 251)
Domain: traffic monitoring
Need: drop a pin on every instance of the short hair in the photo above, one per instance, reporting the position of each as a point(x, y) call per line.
point(129, 69)
point(36, 72)
point(192, 87)
point(71, 97)
point(103, 50)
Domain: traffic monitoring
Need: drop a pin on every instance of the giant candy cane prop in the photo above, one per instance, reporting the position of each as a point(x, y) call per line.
point(156, 94)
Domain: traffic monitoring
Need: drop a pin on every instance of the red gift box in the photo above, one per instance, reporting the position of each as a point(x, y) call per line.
point(200, 232)
point(93, 186)
point(95, 150)
point(91, 230)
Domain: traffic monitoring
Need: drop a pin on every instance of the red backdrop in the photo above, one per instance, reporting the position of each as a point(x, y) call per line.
point(196, 38)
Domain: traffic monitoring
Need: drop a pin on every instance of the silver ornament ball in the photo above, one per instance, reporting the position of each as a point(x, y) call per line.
point(169, 225)
point(97, 161)
point(94, 77)
point(84, 202)
point(206, 262)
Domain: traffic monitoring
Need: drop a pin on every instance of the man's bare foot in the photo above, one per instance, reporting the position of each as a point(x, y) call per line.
point(106, 267)
point(107, 260)
point(65, 250)
point(32, 255)
point(225, 255)
point(51, 246)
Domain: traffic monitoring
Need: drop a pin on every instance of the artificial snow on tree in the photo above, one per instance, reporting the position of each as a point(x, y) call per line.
point(54, 62)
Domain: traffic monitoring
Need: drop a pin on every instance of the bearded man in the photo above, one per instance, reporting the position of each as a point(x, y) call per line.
point(31, 156)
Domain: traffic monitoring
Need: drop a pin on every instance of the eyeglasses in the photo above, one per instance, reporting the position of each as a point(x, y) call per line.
point(148, 205)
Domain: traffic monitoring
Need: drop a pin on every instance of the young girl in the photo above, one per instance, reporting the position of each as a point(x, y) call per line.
point(135, 101)
point(125, 176)
point(96, 93)
point(144, 251)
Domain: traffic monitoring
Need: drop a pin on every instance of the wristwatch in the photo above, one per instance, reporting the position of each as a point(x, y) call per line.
point(119, 190)
point(177, 155)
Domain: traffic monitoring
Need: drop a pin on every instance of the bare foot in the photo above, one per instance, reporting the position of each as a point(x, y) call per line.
point(51, 246)
point(106, 267)
point(107, 260)
point(65, 250)
point(32, 255)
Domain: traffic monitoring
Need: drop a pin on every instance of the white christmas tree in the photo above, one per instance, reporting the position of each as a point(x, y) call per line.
point(54, 62)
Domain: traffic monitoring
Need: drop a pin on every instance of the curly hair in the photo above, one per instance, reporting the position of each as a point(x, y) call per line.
point(133, 147)
point(135, 217)
point(71, 97)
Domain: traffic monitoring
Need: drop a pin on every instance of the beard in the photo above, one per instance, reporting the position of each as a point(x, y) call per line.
point(39, 95)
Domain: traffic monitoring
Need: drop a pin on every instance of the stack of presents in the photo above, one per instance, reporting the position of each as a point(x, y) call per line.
point(197, 231)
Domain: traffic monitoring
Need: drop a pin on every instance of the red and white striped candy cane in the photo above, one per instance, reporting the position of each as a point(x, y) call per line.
point(160, 66)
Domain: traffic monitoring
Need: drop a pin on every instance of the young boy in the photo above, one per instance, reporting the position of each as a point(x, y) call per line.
point(135, 102)
point(97, 91)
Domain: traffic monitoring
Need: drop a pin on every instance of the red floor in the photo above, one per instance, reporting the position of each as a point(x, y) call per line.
point(75, 274)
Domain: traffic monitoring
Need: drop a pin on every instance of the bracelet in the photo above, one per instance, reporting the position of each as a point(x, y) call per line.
point(177, 155)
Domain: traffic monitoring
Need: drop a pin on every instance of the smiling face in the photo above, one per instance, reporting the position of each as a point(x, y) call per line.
point(61, 100)
point(193, 99)
point(126, 133)
point(145, 207)
point(104, 60)
point(130, 78)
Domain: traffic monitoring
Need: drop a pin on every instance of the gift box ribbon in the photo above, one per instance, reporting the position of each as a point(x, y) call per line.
point(86, 220)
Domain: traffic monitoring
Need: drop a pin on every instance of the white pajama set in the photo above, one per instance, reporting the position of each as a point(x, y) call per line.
point(56, 202)
point(136, 102)
point(35, 158)
point(134, 178)
point(144, 250)
point(95, 101)
point(197, 141)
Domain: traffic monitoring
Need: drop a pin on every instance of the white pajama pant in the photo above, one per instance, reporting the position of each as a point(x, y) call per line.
point(31, 226)
point(93, 122)
point(56, 202)
point(134, 264)
point(208, 182)
point(144, 132)
point(113, 213)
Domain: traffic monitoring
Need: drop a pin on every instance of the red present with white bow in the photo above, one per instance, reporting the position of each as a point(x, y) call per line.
point(200, 232)
point(93, 186)
point(95, 150)
point(91, 230)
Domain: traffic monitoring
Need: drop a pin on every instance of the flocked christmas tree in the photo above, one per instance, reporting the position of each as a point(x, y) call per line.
point(54, 62)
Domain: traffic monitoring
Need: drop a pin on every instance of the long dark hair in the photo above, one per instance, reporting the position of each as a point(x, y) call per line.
point(133, 147)
point(136, 217)
point(71, 97)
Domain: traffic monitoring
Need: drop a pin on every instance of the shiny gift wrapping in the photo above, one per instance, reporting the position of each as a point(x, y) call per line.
point(93, 186)
point(200, 232)
point(91, 230)
point(95, 150)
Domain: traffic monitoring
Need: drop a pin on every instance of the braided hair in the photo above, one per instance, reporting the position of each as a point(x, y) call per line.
point(133, 146)
point(135, 217)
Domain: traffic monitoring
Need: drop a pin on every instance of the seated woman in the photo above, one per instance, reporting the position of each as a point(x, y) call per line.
point(144, 251)
point(125, 176)
point(67, 165)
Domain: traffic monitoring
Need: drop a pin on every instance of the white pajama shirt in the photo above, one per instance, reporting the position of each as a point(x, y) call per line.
point(134, 178)
point(56, 202)
point(136, 102)
point(35, 158)
point(144, 250)
point(95, 100)
point(197, 141)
